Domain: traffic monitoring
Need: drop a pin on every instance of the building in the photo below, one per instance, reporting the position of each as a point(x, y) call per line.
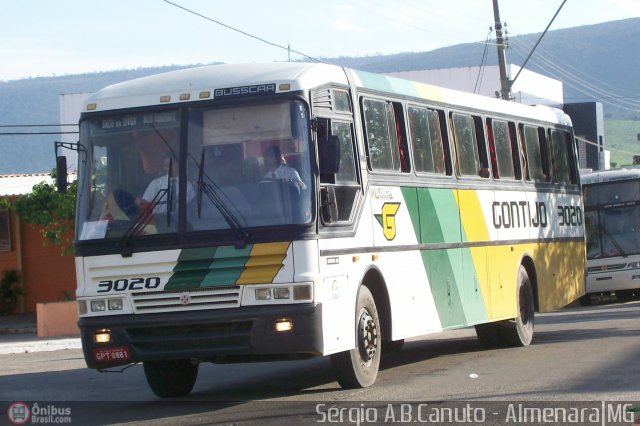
point(45, 275)
point(529, 88)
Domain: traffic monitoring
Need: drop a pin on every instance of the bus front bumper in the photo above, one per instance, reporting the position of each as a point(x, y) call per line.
point(225, 335)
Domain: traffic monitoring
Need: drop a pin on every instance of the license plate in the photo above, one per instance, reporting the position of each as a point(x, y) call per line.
point(120, 353)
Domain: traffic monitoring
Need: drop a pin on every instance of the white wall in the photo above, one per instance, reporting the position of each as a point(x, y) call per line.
point(70, 108)
point(530, 88)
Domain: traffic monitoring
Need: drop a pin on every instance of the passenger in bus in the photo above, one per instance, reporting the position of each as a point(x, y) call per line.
point(169, 182)
point(277, 167)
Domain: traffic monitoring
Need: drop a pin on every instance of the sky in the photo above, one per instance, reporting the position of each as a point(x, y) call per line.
point(47, 38)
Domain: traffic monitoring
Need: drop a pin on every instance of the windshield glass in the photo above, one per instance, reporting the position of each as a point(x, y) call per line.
point(613, 232)
point(254, 160)
point(246, 167)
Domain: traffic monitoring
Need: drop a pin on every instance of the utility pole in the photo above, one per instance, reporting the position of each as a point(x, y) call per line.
point(505, 84)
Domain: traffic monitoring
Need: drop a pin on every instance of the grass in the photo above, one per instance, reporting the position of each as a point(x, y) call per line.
point(622, 135)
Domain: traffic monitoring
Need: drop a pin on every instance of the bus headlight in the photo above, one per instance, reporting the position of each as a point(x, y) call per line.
point(263, 294)
point(115, 304)
point(281, 293)
point(98, 305)
point(277, 293)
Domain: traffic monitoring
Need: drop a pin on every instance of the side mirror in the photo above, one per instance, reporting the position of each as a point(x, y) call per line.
point(61, 174)
point(329, 155)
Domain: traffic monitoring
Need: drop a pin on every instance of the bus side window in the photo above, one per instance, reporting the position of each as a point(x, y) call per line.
point(470, 145)
point(503, 149)
point(563, 167)
point(425, 130)
point(533, 151)
point(344, 184)
point(384, 134)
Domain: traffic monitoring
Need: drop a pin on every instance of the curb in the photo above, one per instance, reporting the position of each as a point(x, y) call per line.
point(31, 346)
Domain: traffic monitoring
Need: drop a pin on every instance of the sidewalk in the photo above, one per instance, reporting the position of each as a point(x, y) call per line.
point(19, 334)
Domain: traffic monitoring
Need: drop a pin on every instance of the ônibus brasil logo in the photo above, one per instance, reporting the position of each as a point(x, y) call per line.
point(18, 413)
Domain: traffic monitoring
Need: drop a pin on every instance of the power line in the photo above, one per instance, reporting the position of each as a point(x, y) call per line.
point(36, 125)
point(605, 147)
point(287, 48)
point(36, 133)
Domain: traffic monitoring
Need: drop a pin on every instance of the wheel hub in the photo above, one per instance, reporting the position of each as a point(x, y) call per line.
point(367, 337)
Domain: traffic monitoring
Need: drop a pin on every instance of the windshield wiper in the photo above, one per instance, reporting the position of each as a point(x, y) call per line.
point(140, 223)
point(212, 192)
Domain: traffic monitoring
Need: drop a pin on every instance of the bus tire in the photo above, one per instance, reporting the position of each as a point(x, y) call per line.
point(358, 368)
point(519, 332)
point(171, 378)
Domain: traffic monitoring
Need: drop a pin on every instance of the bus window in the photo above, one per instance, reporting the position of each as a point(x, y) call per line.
point(563, 171)
point(535, 151)
point(344, 184)
point(503, 150)
point(341, 101)
point(381, 135)
point(470, 146)
point(426, 138)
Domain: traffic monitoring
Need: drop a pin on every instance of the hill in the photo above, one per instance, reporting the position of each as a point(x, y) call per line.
point(595, 62)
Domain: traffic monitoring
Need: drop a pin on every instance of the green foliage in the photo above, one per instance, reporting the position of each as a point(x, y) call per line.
point(9, 292)
point(621, 137)
point(52, 210)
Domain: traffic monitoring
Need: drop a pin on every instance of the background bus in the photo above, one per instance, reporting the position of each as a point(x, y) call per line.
point(612, 213)
point(303, 210)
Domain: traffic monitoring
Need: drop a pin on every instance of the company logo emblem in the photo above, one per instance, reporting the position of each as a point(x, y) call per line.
point(18, 413)
point(185, 299)
point(387, 219)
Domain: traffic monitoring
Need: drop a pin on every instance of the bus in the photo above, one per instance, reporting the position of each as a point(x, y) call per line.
point(300, 210)
point(612, 227)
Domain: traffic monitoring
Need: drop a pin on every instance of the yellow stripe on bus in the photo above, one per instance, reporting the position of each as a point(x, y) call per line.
point(265, 260)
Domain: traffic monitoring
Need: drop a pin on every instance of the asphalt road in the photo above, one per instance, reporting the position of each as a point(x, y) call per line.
point(580, 355)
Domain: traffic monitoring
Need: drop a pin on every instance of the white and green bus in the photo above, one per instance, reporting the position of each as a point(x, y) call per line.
point(612, 226)
point(285, 211)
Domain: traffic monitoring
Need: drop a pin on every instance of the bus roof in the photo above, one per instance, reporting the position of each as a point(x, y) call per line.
point(205, 82)
point(609, 175)
point(201, 83)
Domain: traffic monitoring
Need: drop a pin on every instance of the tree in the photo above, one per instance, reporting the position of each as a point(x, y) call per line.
point(52, 210)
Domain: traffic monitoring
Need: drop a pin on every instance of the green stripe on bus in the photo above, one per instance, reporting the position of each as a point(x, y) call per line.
point(208, 267)
point(455, 290)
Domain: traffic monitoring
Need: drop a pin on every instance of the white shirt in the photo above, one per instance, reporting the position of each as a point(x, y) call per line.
point(159, 184)
point(285, 172)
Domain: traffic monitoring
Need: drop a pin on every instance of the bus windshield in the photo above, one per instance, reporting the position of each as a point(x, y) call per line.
point(237, 168)
point(612, 212)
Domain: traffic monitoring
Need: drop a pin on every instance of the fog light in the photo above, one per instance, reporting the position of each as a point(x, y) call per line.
point(98, 306)
point(115, 304)
point(302, 292)
point(263, 293)
point(282, 325)
point(281, 293)
point(102, 336)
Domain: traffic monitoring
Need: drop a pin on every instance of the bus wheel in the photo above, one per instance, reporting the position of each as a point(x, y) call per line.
point(519, 332)
point(358, 367)
point(171, 378)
